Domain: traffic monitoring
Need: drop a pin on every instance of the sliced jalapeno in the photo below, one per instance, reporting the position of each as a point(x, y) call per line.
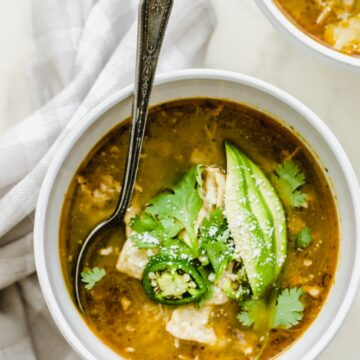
point(172, 281)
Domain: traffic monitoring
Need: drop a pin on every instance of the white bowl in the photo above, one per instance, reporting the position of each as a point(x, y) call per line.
point(283, 22)
point(183, 84)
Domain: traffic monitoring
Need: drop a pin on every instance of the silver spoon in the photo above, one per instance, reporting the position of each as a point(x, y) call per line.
point(153, 18)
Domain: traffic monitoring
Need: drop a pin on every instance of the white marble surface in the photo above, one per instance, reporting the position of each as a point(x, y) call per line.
point(244, 41)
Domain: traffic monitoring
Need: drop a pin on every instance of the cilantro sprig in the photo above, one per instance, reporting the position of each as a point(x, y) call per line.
point(169, 213)
point(215, 241)
point(91, 276)
point(288, 178)
point(289, 309)
point(254, 313)
point(286, 312)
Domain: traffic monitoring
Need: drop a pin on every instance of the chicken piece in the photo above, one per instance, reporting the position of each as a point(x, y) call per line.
point(213, 188)
point(132, 260)
point(191, 323)
point(213, 191)
point(344, 35)
point(342, 9)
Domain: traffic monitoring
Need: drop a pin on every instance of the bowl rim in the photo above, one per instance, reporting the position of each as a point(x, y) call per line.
point(174, 76)
point(285, 25)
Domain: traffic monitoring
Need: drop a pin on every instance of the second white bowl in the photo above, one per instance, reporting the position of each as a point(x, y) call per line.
point(284, 24)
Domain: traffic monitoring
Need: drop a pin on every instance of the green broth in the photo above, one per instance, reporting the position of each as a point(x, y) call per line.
point(180, 134)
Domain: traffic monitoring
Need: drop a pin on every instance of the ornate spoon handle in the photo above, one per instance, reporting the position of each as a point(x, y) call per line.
point(153, 19)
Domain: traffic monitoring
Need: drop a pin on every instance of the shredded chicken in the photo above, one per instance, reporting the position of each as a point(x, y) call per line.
point(341, 8)
point(191, 323)
point(344, 35)
point(132, 260)
point(100, 196)
point(213, 191)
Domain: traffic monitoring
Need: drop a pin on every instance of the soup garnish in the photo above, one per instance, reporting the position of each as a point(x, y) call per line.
point(333, 22)
point(230, 243)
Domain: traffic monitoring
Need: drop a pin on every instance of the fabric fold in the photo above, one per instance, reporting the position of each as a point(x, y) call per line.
point(85, 52)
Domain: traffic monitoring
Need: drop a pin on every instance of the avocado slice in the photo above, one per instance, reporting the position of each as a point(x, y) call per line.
point(256, 220)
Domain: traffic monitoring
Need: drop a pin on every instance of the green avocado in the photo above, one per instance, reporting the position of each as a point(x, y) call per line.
point(256, 220)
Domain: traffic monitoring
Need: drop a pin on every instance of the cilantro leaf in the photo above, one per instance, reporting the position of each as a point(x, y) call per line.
point(288, 309)
point(143, 223)
point(245, 319)
point(91, 276)
point(182, 204)
point(150, 232)
point(254, 313)
point(284, 313)
point(176, 248)
point(304, 238)
point(215, 241)
point(288, 179)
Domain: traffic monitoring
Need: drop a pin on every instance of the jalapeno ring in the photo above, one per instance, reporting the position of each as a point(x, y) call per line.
point(172, 281)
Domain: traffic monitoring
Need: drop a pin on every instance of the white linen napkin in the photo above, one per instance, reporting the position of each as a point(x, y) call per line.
point(85, 53)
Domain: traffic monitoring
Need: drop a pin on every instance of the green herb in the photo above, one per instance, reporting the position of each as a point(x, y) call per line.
point(179, 208)
point(91, 276)
point(169, 213)
point(288, 309)
point(288, 179)
point(245, 318)
point(284, 313)
point(304, 238)
point(254, 313)
point(149, 232)
point(176, 248)
point(215, 241)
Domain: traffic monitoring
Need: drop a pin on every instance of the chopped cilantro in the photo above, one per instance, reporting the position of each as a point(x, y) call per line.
point(288, 179)
point(304, 238)
point(91, 276)
point(286, 312)
point(215, 241)
point(288, 309)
